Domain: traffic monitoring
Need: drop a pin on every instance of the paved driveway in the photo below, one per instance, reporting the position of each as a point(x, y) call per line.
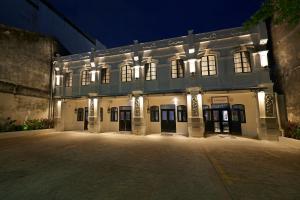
point(74, 165)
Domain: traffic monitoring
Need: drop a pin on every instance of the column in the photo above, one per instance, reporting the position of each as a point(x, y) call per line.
point(195, 114)
point(93, 118)
point(59, 115)
point(138, 118)
point(268, 128)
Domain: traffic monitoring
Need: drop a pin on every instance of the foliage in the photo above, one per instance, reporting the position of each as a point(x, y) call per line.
point(33, 124)
point(292, 130)
point(281, 11)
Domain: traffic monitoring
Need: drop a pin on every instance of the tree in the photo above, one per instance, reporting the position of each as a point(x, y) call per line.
point(281, 11)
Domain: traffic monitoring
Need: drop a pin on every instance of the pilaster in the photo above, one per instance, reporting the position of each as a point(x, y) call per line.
point(138, 118)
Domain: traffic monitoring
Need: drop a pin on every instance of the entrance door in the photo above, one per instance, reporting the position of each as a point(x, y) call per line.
point(125, 118)
point(235, 126)
point(168, 120)
point(221, 121)
point(86, 118)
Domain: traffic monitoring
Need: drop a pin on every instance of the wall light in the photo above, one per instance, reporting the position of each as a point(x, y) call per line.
point(93, 64)
point(93, 76)
point(135, 58)
point(192, 65)
point(263, 58)
point(57, 69)
point(263, 41)
point(191, 51)
point(136, 71)
point(57, 78)
point(261, 102)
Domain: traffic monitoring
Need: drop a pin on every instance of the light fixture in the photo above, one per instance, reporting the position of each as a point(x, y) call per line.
point(93, 75)
point(263, 58)
point(57, 69)
point(93, 64)
point(191, 51)
point(135, 58)
point(136, 71)
point(57, 77)
point(263, 41)
point(192, 65)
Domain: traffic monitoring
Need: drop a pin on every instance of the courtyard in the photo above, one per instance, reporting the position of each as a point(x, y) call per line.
point(80, 165)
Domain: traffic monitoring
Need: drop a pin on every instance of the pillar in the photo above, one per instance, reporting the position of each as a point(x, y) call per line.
point(268, 128)
point(93, 118)
point(195, 114)
point(138, 116)
point(59, 115)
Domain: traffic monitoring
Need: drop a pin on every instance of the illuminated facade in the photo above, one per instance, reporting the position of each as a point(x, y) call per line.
point(216, 82)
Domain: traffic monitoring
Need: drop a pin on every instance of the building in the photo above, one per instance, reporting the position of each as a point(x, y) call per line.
point(41, 17)
point(215, 82)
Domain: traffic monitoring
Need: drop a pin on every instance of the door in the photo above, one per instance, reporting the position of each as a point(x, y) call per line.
point(168, 120)
point(236, 127)
point(221, 122)
point(125, 120)
point(86, 118)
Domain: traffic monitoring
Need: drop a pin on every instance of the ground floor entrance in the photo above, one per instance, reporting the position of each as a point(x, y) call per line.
point(168, 118)
point(125, 118)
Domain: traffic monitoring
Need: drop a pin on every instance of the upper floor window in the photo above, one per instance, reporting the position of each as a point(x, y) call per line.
point(68, 79)
point(114, 114)
point(154, 114)
point(177, 68)
point(242, 62)
point(85, 77)
point(126, 73)
point(181, 113)
point(208, 65)
point(150, 71)
point(105, 75)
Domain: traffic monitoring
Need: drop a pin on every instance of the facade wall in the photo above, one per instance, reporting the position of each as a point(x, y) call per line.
point(70, 115)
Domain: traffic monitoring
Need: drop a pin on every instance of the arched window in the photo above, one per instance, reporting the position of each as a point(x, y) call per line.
point(208, 65)
point(181, 113)
point(85, 77)
point(238, 113)
point(154, 114)
point(150, 71)
point(105, 75)
point(177, 68)
point(126, 73)
point(242, 62)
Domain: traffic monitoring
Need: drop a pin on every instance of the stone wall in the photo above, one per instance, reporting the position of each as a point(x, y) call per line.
point(286, 53)
point(25, 65)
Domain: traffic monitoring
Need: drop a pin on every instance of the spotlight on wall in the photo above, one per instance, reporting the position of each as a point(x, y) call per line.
point(263, 58)
point(57, 69)
point(191, 51)
point(93, 64)
point(135, 58)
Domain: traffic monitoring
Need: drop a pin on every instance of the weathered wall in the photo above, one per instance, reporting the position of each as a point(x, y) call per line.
point(286, 53)
point(25, 65)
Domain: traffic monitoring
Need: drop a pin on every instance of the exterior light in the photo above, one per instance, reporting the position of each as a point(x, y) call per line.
point(57, 69)
point(191, 51)
point(261, 102)
point(93, 76)
point(136, 71)
point(135, 58)
point(192, 65)
point(263, 41)
point(263, 58)
point(93, 64)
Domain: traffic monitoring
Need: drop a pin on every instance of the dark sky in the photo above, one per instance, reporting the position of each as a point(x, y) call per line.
point(119, 22)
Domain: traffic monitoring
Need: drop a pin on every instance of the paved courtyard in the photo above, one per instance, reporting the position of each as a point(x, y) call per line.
point(73, 165)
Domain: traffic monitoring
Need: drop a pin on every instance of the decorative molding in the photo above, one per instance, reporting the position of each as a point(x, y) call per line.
point(137, 110)
point(195, 107)
point(269, 105)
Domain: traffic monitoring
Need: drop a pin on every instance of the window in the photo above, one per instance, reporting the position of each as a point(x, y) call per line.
point(177, 68)
point(114, 114)
point(242, 62)
point(206, 113)
point(154, 114)
point(238, 113)
point(80, 114)
point(68, 78)
point(85, 77)
point(208, 65)
point(181, 113)
point(150, 71)
point(101, 114)
point(105, 75)
point(126, 73)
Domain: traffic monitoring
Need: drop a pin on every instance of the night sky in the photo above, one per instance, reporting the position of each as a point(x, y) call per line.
point(119, 22)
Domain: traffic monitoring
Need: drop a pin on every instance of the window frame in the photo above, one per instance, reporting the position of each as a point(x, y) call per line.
point(182, 113)
point(242, 62)
point(128, 78)
point(85, 77)
point(114, 114)
point(154, 114)
point(80, 117)
point(209, 66)
point(175, 68)
point(152, 73)
point(241, 109)
point(105, 77)
point(68, 79)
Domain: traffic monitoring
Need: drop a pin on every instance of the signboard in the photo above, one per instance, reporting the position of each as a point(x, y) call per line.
point(219, 100)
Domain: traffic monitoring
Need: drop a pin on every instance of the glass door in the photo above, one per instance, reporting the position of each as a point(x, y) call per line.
point(168, 122)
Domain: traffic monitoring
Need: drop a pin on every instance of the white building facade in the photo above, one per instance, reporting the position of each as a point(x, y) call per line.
point(194, 85)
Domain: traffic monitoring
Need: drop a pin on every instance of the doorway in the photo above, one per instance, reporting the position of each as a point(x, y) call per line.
point(125, 118)
point(221, 120)
point(168, 118)
point(86, 118)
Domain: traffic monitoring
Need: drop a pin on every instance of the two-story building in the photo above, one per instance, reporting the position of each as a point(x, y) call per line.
point(215, 82)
